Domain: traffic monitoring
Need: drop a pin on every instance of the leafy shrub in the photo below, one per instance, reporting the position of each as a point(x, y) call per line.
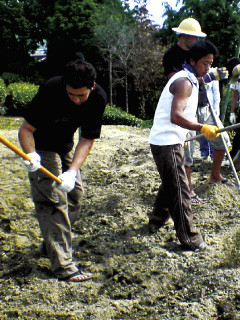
point(147, 123)
point(10, 77)
point(116, 116)
point(3, 94)
point(19, 95)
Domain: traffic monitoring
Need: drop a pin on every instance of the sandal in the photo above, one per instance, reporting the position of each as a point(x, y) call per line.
point(196, 199)
point(224, 181)
point(77, 277)
point(228, 183)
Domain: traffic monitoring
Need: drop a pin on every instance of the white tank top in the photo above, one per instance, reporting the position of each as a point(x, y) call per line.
point(163, 131)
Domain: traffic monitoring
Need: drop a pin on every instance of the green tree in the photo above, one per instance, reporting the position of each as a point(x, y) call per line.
point(64, 24)
point(68, 30)
point(114, 36)
point(69, 26)
point(126, 40)
point(14, 34)
point(124, 56)
point(146, 63)
point(219, 19)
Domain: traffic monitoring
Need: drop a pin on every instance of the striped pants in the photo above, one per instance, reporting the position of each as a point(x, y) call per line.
point(173, 198)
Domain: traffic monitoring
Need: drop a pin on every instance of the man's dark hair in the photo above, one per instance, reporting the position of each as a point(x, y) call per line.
point(78, 74)
point(200, 49)
point(233, 62)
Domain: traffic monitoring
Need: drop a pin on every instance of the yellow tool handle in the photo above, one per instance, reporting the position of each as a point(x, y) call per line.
point(22, 154)
point(232, 127)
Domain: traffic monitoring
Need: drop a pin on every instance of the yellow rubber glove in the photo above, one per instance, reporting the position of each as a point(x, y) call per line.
point(210, 131)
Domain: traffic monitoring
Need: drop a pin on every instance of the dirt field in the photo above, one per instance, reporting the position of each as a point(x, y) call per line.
point(136, 275)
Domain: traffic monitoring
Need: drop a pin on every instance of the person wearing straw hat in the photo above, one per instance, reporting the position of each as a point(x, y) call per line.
point(234, 65)
point(189, 31)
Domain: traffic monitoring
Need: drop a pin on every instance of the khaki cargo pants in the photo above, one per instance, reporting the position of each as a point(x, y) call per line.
point(56, 211)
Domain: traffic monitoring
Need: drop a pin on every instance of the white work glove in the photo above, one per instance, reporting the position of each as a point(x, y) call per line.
point(35, 162)
point(68, 181)
point(232, 118)
point(216, 74)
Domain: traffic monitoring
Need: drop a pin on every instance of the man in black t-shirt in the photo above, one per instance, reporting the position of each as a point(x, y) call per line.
point(62, 105)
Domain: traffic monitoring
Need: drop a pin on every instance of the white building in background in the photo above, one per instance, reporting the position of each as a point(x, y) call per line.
point(40, 54)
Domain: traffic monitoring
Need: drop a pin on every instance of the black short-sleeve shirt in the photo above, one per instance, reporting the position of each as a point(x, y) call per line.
point(174, 58)
point(56, 117)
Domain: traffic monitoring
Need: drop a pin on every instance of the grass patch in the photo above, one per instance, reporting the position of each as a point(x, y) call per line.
point(9, 122)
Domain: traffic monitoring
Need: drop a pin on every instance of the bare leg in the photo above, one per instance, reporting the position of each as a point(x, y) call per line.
point(188, 172)
point(218, 156)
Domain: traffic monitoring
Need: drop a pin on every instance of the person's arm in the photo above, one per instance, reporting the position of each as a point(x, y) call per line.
point(25, 136)
point(26, 139)
point(234, 103)
point(182, 89)
point(216, 97)
point(81, 152)
point(170, 75)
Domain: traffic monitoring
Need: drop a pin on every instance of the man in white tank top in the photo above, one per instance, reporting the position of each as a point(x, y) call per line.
point(174, 117)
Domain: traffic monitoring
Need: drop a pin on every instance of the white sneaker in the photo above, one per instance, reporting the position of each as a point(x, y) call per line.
point(226, 163)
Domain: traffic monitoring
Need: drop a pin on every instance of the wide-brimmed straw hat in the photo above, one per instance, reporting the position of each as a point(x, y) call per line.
point(190, 27)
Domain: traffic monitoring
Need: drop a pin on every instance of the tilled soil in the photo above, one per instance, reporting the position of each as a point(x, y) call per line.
point(135, 275)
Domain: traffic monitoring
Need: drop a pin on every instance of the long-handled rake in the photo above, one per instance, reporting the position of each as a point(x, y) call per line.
point(22, 154)
point(232, 127)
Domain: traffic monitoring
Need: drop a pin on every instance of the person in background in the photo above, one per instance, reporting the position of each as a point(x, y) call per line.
point(174, 117)
point(234, 71)
point(205, 148)
point(189, 31)
point(213, 94)
point(209, 113)
point(62, 105)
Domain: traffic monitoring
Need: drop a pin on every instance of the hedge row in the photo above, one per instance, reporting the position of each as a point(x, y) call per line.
point(116, 116)
point(15, 96)
point(3, 91)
